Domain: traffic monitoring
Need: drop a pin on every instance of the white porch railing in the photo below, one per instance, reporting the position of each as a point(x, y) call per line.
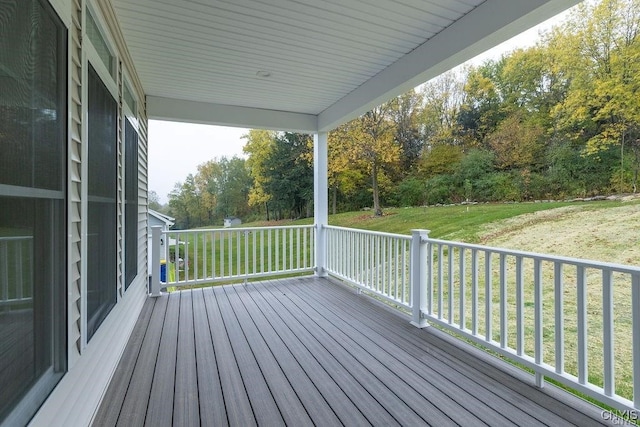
point(377, 262)
point(571, 320)
point(16, 270)
point(207, 256)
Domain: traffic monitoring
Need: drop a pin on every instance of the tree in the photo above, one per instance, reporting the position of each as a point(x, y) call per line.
point(440, 159)
point(405, 111)
point(443, 98)
point(482, 109)
point(288, 173)
point(369, 145)
point(603, 52)
point(154, 201)
point(516, 143)
point(258, 148)
point(185, 204)
point(224, 187)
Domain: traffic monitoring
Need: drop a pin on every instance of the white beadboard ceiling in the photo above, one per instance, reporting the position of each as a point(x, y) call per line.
point(326, 61)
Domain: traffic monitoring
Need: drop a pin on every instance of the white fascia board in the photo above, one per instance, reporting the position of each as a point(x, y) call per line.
point(486, 26)
point(178, 110)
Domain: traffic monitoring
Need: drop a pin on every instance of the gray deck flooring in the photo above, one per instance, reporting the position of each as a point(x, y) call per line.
point(308, 351)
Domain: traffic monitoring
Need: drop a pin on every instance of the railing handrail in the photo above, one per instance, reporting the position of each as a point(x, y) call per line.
point(620, 268)
point(234, 229)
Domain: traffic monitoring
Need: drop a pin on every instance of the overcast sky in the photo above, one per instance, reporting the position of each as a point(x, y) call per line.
point(176, 149)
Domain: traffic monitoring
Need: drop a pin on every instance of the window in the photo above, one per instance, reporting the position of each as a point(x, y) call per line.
point(131, 202)
point(102, 202)
point(129, 100)
point(33, 114)
point(99, 44)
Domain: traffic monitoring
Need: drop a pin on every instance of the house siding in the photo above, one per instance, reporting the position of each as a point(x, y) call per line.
point(74, 400)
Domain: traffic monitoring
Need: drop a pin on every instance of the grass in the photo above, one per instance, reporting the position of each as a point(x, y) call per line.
point(461, 222)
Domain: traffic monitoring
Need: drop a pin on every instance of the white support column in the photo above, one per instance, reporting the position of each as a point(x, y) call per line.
point(320, 199)
point(418, 276)
point(156, 231)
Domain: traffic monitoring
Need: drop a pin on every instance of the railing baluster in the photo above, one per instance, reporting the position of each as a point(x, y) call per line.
point(214, 273)
point(430, 278)
point(559, 316)
point(396, 261)
point(298, 249)
point(405, 272)
point(519, 307)
point(196, 238)
point(462, 295)
point(291, 249)
point(238, 254)
point(382, 265)
point(304, 245)
point(450, 290)
point(277, 233)
point(269, 250)
point(583, 371)
point(635, 337)
point(488, 297)
point(205, 236)
point(607, 331)
point(231, 235)
point(503, 301)
point(246, 254)
point(255, 251)
point(4, 271)
point(474, 291)
point(18, 268)
point(440, 280)
point(187, 259)
point(537, 318)
point(223, 253)
point(177, 257)
point(371, 281)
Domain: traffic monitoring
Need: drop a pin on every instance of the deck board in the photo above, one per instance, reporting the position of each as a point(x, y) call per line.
point(160, 407)
point(528, 402)
point(307, 369)
point(309, 351)
point(212, 411)
point(186, 410)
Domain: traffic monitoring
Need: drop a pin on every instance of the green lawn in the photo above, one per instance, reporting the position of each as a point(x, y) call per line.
point(461, 223)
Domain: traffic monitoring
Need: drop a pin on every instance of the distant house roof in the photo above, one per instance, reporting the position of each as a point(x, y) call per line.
point(162, 217)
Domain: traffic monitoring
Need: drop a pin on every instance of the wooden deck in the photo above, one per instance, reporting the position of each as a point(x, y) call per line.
point(308, 351)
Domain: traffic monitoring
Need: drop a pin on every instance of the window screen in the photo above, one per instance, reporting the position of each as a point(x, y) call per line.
point(102, 206)
point(131, 202)
point(33, 110)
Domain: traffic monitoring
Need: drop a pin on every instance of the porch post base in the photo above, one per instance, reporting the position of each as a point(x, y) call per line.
point(421, 324)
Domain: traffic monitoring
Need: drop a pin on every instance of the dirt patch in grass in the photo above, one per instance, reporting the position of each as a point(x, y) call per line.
point(610, 235)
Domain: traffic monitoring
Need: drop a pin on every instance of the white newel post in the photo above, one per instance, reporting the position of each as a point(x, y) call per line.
point(418, 276)
point(156, 232)
point(320, 199)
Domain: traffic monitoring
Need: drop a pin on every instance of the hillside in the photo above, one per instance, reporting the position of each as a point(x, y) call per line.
point(606, 234)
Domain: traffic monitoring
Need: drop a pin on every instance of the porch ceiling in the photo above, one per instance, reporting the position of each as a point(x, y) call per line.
point(328, 61)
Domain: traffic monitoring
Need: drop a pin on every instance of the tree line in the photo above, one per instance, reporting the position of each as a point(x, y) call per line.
point(557, 120)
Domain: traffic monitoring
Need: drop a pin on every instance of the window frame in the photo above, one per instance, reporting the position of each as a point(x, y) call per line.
point(53, 231)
